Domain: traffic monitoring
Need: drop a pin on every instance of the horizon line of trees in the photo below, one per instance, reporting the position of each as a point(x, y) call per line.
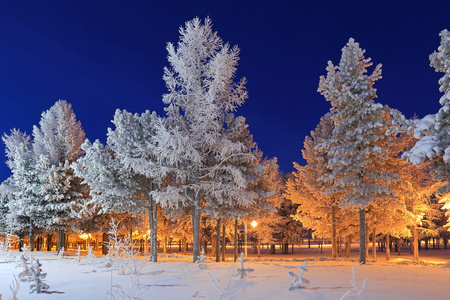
point(197, 170)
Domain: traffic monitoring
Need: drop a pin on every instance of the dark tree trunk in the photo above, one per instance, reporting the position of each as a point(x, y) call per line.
point(362, 236)
point(224, 246)
point(21, 235)
point(218, 240)
point(235, 239)
point(196, 227)
point(60, 238)
point(31, 236)
point(49, 242)
point(105, 240)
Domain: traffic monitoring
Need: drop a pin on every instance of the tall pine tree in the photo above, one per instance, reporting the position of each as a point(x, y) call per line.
point(359, 145)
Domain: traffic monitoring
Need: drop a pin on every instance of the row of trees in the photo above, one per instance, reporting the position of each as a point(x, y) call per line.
point(199, 167)
point(368, 164)
point(197, 160)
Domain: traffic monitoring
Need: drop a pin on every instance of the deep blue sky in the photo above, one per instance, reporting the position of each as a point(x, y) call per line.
point(103, 55)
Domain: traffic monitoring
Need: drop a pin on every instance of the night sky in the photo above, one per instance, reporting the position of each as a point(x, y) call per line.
point(104, 55)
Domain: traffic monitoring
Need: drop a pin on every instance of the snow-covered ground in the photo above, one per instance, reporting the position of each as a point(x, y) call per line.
point(175, 277)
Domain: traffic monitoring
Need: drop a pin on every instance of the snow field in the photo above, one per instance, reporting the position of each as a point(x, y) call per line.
point(178, 278)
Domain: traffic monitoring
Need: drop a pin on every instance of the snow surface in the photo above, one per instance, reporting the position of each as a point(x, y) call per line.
point(175, 277)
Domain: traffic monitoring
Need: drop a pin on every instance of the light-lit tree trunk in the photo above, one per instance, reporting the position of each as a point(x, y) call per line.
point(388, 247)
point(362, 236)
point(333, 236)
point(165, 245)
point(218, 240)
point(235, 240)
point(348, 246)
point(415, 243)
point(374, 244)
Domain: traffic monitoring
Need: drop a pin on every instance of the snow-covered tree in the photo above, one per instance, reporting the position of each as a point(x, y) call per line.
point(59, 134)
point(201, 91)
point(433, 131)
point(316, 210)
point(59, 137)
point(123, 174)
point(358, 146)
point(29, 178)
point(416, 190)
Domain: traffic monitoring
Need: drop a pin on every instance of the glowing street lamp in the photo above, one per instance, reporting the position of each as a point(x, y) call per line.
point(254, 223)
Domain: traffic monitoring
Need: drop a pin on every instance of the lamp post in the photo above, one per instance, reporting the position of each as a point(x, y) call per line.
point(245, 239)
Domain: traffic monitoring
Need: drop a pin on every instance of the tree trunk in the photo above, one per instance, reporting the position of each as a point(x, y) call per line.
point(105, 240)
point(362, 236)
point(367, 242)
point(339, 242)
point(235, 239)
point(60, 239)
point(272, 248)
point(415, 244)
point(49, 242)
point(196, 227)
point(21, 241)
point(131, 237)
point(224, 246)
point(309, 238)
point(333, 232)
point(374, 244)
point(218, 240)
point(31, 236)
point(66, 240)
point(184, 245)
point(348, 246)
point(388, 247)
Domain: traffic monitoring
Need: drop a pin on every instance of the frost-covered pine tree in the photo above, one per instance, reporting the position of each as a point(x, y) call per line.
point(433, 131)
point(316, 210)
point(59, 137)
point(29, 178)
point(133, 142)
point(416, 189)
point(201, 91)
point(358, 146)
point(122, 174)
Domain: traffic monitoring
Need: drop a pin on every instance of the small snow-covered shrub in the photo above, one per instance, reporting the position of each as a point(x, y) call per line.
point(77, 258)
point(201, 260)
point(131, 293)
point(122, 253)
point(91, 256)
point(36, 278)
point(15, 287)
point(298, 282)
point(24, 263)
point(356, 291)
point(223, 287)
point(61, 253)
